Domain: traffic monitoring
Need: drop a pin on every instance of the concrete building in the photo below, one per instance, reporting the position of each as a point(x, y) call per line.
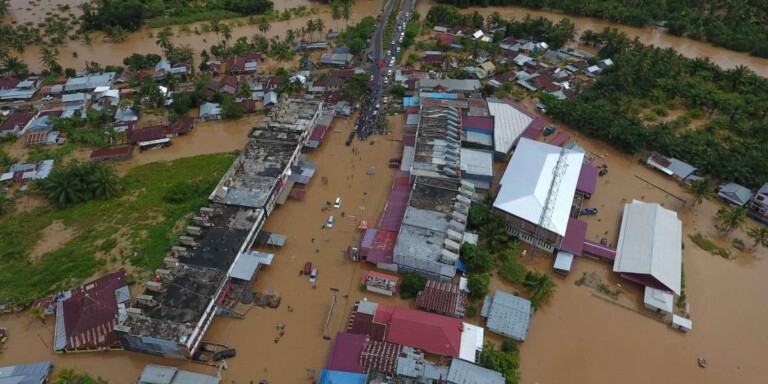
point(438, 141)
point(525, 186)
point(649, 248)
point(380, 283)
point(659, 301)
point(160, 374)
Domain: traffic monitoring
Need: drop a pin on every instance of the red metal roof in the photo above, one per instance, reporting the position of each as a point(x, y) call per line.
point(112, 152)
point(297, 193)
point(409, 140)
point(91, 312)
point(559, 139)
point(428, 332)
point(380, 356)
point(444, 38)
point(443, 298)
point(15, 120)
point(363, 324)
point(181, 127)
point(8, 82)
point(598, 250)
point(154, 132)
point(587, 179)
point(345, 352)
point(477, 122)
point(573, 241)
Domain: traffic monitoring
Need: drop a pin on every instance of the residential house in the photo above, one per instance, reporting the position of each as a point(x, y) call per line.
point(135, 136)
point(337, 59)
point(433, 60)
point(122, 152)
point(759, 202)
point(125, 114)
point(335, 84)
point(507, 315)
point(317, 86)
point(228, 85)
point(443, 298)
point(21, 173)
point(213, 67)
point(22, 90)
point(270, 99)
point(521, 59)
point(14, 124)
point(670, 166)
point(74, 103)
point(576, 66)
point(164, 68)
point(103, 97)
point(444, 39)
point(210, 111)
point(507, 43)
point(179, 128)
point(464, 372)
point(89, 82)
point(249, 106)
point(735, 194)
point(160, 374)
point(238, 65)
point(34, 373)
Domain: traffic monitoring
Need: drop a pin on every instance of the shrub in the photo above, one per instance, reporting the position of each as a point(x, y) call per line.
point(412, 284)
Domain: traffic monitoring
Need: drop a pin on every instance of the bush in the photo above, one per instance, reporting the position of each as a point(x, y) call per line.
point(478, 285)
point(476, 259)
point(510, 346)
point(182, 192)
point(412, 284)
point(512, 271)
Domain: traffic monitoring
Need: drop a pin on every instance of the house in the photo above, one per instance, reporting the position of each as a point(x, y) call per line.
point(380, 283)
point(89, 82)
point(346, 350)
point(510, 122)
point(670, 166)
point(335, 84)
point(544, 83)
point(210, 111)
point(649, 250)
point(122, 152)
point(576, 66)
point(507, 315)
point(86, 315)
point(465, 372)
point(759, 203)
point(160, 374)
point(22, 90)
point(228, 85)
point(525, 186)
point(337, 59)
point(735, 194)
point(507, 43)
point(34, 373)
point(74, 103)
point(238, 65)
point(164, 68)
point(135, 136)
point(444, 39)
point(213, 67)
point(249, 106)
point(179, 128)
point(14, 124)
point(443, 298)
point(21, 173)
point(43, 137)
point(104, 97)
point(431, 333)
point(270, 99)
point(658, 300)
point(488, 67)
point(317, 86)
point(433, 60)
point(521, 59)
point(476, 167)
point(125, 114)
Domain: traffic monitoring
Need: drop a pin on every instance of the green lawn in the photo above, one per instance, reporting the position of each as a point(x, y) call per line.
point(142, 218)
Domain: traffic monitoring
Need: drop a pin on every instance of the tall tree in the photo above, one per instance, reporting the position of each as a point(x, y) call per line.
point(730, 219)
point(759, 235)
point(263, 25)
point(117, 33)
point(346, 11)
point(701, 189)
point(18, 68)
point(320, 25)
point(540, 287)
point(336, 12)
point(49, 57)
point(311, 28)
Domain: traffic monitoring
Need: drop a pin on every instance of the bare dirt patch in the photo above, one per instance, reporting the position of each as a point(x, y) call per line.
point(52, 238)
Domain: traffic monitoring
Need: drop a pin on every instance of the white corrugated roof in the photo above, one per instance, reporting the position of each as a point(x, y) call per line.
point(527, 179)
point(658, 299)
point(476, 162)
point(508, 122)
point(471, 342)
point(650, 243)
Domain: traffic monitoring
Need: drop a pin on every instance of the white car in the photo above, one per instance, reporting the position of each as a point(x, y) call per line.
point(337, 203)
point(313, 276)
point(329, 223)
point(47, 97)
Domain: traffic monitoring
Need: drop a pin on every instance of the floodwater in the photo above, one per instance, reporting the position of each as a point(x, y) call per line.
point(107, 53)
point(207, 137)
point(590, 340)
point(303, 346)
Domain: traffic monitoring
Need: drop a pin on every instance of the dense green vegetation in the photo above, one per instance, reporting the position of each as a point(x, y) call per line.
point(736, 25)
point(76, 183)
point(355, 37)
point(729, 139)
point(142, 221)
point(131, 14)
point(505, 360)
point(412, 284)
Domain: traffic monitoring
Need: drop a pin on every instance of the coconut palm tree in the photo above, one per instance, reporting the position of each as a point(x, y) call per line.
point(320, 25)
point(214, 26)
point(540, 287)
point(163, 38)
point(701, 189)
point(263, 25)
point(759, 235)
point(226, 32)
point(15, 66)
point(5, 52)
point(62, 190)
point(103, 182)
point(730, 219)
point(67, 376)
point(346, 11)
point(311, 28)
point(117, 34)
point(49, 57)
point(336, 12)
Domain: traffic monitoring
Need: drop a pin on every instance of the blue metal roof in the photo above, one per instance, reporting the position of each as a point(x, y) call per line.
point(328, 376)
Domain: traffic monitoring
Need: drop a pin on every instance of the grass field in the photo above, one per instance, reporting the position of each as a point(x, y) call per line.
point(136, 229)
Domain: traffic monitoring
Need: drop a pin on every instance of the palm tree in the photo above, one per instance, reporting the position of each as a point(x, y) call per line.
point(494, 20)
point(311, 28)
point(336, 12)
point(67, 376)
point(263, 25)
point(226, 32)
point(540, 287)
point(701, 189)
point(760, 235)
point(346, 11)
point(290, 36)
point(738, 76)
point(215, 27)
point(320, 25)
point(15, 66)
point(87, 40)
point(5, 53)
point(164, 38)
point(103, 182)
point(37, 313)
point(117, 34)
point(62, 190)
point(49, 57)
point(730, 219)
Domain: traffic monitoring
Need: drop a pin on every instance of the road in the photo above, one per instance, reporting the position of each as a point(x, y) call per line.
point(370, 114)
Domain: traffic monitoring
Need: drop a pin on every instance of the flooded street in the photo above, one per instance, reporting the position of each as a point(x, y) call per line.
point(591, 340)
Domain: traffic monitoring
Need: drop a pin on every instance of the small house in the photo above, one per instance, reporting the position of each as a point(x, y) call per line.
point(14, 124)
point(759, 202)
point(670, 166)
point(380, 283)
point(33, 373)
point(658, 301)
point(681, 323)
point(507, 315)
point(735, 194)
point(210, 111)
point(122, 152)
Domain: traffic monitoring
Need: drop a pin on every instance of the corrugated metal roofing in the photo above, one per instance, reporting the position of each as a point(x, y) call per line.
point(509, 315)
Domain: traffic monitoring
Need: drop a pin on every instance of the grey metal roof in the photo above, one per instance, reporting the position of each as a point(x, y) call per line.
point(464, 372)
point(508, 315)
point(451, 84)
point(33, 373)
point(160, 374)
point(679, 168)
point(735, 193)
point(477, 162)
point(245, 264)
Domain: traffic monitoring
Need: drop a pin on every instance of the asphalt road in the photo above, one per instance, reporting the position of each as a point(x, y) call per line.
point(368, 120)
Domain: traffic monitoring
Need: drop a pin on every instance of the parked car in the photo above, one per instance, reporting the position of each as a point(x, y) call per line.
point(329, 223)
point(313, 276)
point(307, 268)
point(549, 129)
point(589, 211)
point(225, 354)
point(337, 203)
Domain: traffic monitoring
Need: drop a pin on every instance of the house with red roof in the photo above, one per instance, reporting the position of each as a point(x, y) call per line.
point(154, 132)
point(14, 123)
point(238, 65)
point(181, 127)
point(86, 315)
point(444, 38)
point(122, 152)
point(428, 332)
